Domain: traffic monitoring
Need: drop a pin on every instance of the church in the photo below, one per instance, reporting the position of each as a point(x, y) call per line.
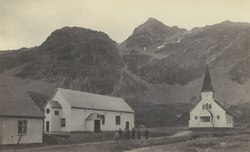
point(209, 113)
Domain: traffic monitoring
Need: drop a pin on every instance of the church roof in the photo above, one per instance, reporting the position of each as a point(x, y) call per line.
point(207, 83)
point(227, 112)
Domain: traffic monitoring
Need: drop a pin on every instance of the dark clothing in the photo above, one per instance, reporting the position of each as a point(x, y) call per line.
point(128, 134)
point(120, 134)
point(133, 133)
point(138, 134)
point(146, 134)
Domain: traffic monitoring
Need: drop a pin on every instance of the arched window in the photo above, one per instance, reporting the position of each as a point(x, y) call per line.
point(207, 106)
point(218, 116)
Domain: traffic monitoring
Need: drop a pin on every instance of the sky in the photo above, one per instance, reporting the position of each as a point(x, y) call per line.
point(27, 23)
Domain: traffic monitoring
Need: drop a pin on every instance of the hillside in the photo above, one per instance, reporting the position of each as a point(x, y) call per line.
point(157, 64)
point(225, 46)
point(149, 36)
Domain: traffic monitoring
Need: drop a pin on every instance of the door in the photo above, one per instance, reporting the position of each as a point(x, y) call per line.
point(47, 126)
point(127, 125)
point(97, 126)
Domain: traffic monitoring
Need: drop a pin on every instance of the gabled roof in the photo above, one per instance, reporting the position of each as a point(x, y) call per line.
point(92, 116)
point(17, 103)
point(207, 83)
point(55, 104)
point(227, 112)
point(78, 99)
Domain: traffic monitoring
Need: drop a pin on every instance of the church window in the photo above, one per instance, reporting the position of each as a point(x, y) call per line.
point(207, 106)
point(218, 116)
point(205, 119)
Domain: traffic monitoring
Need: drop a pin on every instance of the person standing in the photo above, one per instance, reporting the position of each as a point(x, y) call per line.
point(128, 134)
point(133, 133)
point(120, 134)
point(116, 135)
point(146, 134)
point(138, 133)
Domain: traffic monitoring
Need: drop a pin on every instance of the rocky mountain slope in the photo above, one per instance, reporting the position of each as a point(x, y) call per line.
point(157, 64)
point(181, 63)
point(149, 36)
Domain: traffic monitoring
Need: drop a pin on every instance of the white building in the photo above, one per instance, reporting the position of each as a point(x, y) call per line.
point(70, 110)
point(20, 118)
point(209, 113)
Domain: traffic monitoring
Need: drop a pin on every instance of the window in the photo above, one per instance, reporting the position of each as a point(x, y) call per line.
point(47, 110)
point(205, 119)
point(22, 126)
point(195, 117)
point(102, 117)
point(207, 106)
point(63, 122)
point(218, 116)
point(56, 112)
point(117, 120)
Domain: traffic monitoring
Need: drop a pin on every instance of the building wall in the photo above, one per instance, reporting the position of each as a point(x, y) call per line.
point(54, 120)
point(9, 130)
point(76, 118)
point(78, 122)
point(207, 97)
point(65, 112)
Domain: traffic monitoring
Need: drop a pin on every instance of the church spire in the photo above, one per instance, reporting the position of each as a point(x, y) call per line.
point(207, 83)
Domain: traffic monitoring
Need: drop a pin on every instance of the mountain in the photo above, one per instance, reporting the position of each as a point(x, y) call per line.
point(71, 57)
point(157, 69)
point(150, 35)
point(180, 65)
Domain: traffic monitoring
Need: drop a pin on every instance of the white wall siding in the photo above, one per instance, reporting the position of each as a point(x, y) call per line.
point(9, 130)
point(66, 111)
point(75, 117)
point(78, 120)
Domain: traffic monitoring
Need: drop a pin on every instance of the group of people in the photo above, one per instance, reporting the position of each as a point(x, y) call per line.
point(135, 133)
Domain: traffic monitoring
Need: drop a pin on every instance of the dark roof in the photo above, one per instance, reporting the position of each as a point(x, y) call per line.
point(207, 83)
point(17, 103)
point(227, 112)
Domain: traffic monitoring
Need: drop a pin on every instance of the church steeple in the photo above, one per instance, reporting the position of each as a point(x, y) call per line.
point(207, 83)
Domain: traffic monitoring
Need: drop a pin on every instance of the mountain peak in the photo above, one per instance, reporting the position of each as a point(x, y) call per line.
point(153, 20)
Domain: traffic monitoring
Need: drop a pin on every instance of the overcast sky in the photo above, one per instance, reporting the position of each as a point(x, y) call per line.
point(27, 23)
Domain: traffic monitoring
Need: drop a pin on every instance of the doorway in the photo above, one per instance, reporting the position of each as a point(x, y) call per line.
point(127, 124)
point(47, 126)
point(97, 126)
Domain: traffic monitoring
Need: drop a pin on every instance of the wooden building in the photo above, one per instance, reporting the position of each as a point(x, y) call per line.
point(20, 118)
point(70, 110)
